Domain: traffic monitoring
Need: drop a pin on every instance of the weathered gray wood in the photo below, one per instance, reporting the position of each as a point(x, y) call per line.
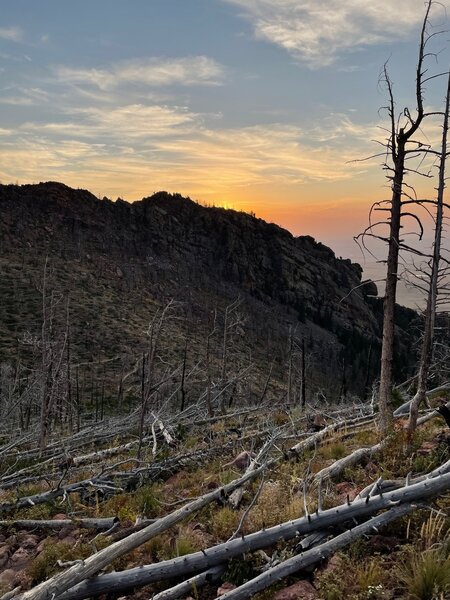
point(312, 441)
point(84, 523)
point(352, 459)
point(394, 484)
point(185, 565)
point(27, 501)
point(403, 410)
point(190, 585)
point(92, 565)
point(235, 497)
point(315, 555)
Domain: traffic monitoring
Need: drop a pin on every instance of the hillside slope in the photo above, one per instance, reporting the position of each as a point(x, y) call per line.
point(115, 263)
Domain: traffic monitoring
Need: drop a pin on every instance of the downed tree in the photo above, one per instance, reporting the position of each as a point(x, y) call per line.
point(191, 585)
point(95, 483)
point(315, 555)
point(431, 487)
point(58, 584)
point(100, 524)
point(382, 486)
point(350, 460)
point(313, 440)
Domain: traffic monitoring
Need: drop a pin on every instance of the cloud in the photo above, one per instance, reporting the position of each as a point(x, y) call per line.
point(155, 72)
point(134, 150)
point(16, 100)
point(12, 34)
point(316, 32)
point(129, 124)
point(258, 155)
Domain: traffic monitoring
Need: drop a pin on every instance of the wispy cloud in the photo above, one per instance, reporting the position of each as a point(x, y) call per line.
point(129, 124)
point(12, 34)
point(259, 154)
point(125, 150)
point(16, 100)
point(155, 72)
point(316, 32)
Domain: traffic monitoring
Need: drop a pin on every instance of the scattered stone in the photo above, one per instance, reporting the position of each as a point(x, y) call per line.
point(345, 489)
point(13, 541)
point(8, 578)
point(332, 564)
point(59, 517)
point(225, 587)
point(20, 559)
point(65, 534)
point(302, 590)
point(30, 542)
point(4, 555)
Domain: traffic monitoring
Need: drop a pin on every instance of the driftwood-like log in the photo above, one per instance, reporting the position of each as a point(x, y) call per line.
point(382, 486)
point(315, 555)
point(352, 459)
point(96, 483)
point(315, 439)
point(199, 561)
point(58, 584)
point(190, 585)
point(403, 410)
point(84, 523)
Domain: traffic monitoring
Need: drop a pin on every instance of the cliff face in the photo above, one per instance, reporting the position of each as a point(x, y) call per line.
point(170, 247)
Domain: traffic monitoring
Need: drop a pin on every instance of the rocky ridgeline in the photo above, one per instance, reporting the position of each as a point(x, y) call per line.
point(174, 247)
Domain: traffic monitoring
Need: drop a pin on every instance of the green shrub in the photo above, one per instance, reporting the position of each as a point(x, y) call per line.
point(426, 576)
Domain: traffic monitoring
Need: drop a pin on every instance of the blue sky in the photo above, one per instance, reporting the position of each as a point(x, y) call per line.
point(254, 104)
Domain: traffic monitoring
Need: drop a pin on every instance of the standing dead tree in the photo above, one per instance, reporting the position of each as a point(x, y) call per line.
point(401, 146)
point(148, 386)
point(232, 326)
point(435, 261)
point(53, 345)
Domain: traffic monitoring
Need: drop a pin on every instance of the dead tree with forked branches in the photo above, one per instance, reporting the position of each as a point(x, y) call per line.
point(401, 147)
point(434, 276)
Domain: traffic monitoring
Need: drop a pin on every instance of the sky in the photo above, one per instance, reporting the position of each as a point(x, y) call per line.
point(258, 105)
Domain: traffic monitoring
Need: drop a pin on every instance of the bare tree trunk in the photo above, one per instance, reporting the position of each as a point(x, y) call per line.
point(289, 383)
point(303, 377)
point(209, 405)
point(397, 148)
point(183, 374)
point(387, 352)
point(430, 312)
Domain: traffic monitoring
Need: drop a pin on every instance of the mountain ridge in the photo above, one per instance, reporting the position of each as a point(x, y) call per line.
point(168, 246)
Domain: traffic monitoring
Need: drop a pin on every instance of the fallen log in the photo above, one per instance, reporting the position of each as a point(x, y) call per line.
point(235, 497)
point(192, 584)
point(312, 441)
point(58, 584)
point(350, 460)
point(83, 523)
point(96, 483)
point(382, 486)
point(199, 561)
point(315, 555)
